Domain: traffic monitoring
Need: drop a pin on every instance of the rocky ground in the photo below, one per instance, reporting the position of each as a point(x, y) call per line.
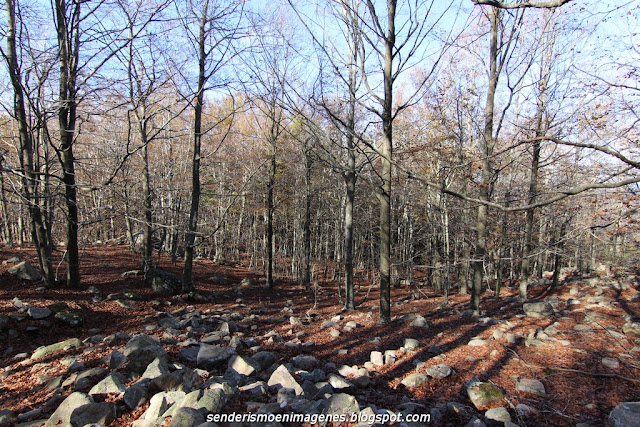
point(116, 353)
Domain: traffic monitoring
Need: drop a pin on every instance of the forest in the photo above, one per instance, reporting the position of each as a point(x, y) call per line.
point(470, 155)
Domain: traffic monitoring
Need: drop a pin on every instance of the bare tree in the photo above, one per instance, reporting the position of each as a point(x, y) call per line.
point(211, 28)
point(30, 176)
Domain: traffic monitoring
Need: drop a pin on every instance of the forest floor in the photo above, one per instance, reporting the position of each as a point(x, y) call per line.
point(579, 387)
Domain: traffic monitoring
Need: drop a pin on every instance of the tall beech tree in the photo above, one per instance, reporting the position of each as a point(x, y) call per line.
point(30, 176)
point(211, 28)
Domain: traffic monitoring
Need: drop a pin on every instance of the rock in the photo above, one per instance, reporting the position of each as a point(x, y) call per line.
point(212, 401)
point(228, 328)
point(611, 363)
point(264, 359)
point(156, 368)
point(59, 307)
point(419, 322)
point(4, 321)
point(439, 371)
point(625, 414)
point(538, 309)
point(141, 351)
point(62, 414)
point(498, 414)
point(435, 349)
point(411, 344)
point(116, 360)
point(342, 403)
point(165, 382)
point(582, 328)
point(126, 304)
point(38, 313)
point(94, 413)
point(531, 386)
point(340, 384)
point(7, 417)
point(475, 422)
point(212, 356)
point(525, 410)
point(328, 324)
point(247, 282)
point(186, 417)
point(632, 329)
point(376, 358)
point(361, 378)
point(70, 318)
point(43, 352)
point(477, 342)
point(483, 395)
point(157, 406)
point(135, 396)
point(497, 334)
point(189, 354)
point(113, 383)
point(281, 377)
point(305, 362)
point(25, 271)
point(163, 282)
point(295, 321)
point(242, 365)
point(414, 380)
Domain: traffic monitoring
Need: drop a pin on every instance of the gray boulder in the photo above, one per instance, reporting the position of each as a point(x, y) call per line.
point(93, 413)
point(538, 309)
point(342, 403)
point(43, 352)
point(25, 271)
point(281, 377)
point(156, 368)
point(531, 386)
point(113, 383)
point(340, 384)
point(115, 360)
point(264, 359)
point(70, 318)
point(163, 282)
point(7, 418)
point(242, 365)
point(498, 414)
point(186, 417)
point(141, 351)
point(483, 395)
point(62, 415)
point(135, 396)
point(414, 380)
point(211, 356)
point(38, 313)
point(439, 371)
point(212, 401)
point(625, 414)
point(305, 362)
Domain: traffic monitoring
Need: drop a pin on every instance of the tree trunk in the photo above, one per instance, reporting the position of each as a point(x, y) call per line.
point(487, 172)
point(39, 233)
point(386, 153)
point(68, 53)
point(307, 222)
point(350, 184)
point(269, 231)
point(192, 226)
